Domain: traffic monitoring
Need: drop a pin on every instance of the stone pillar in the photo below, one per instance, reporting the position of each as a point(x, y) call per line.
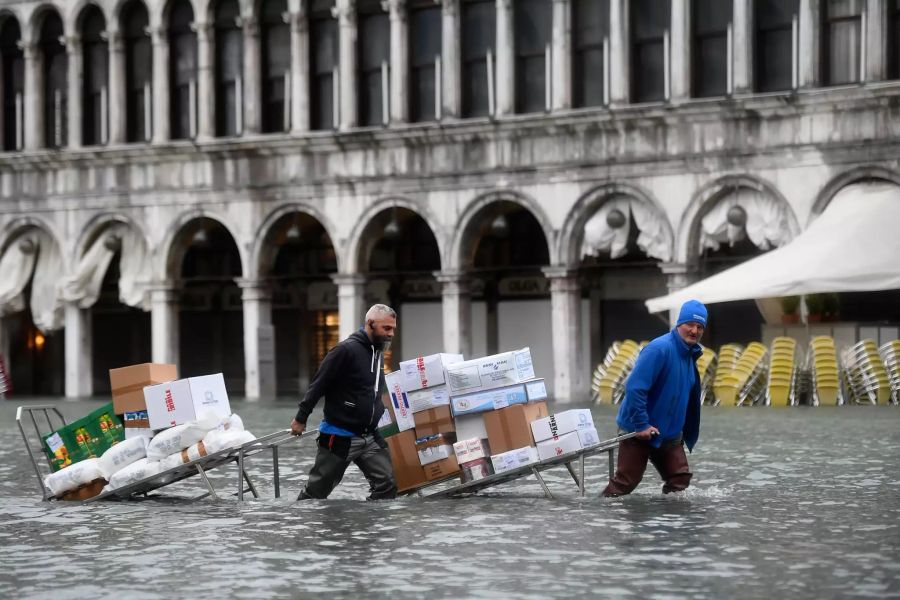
point(206, 81)
point(742, 36)
point(678, 276)
point(399, 72)
point(680, 54)
point(351, 296)
point(619, 53)
point(300, 74)
point(561, 54)
point(79, 372)
point(164, 299)
point(457, 311)
point(570, 378)
point(33, 103)
point(259, 339)
point(75, 61)
point(252, 65)
point(451, 60)
point(116, 95)
point(876, 41)
point(505, 78)
point(161, 126)
point(345, 12)
point(810, 32)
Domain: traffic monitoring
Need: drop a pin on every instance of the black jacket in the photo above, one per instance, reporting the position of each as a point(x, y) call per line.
point(352, 382)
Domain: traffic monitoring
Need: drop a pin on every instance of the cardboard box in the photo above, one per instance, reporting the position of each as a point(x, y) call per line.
point(430, 454)
point(514, 459)
point(557, 446)
point(387, 426)
point(136, 420)
point(498, 398)
point(426, 371)
point(185, 400)
point(510, 428)
point(432, 397)
point(561, 423)
point(475, 470)
point(588, 437)
point(442, 469)
point(470, 426)
point(490, 372)
point(471, 449)
point(87, 437)
point(434, 420)
point(128, 384)
point(408, 472)
point(403, 414)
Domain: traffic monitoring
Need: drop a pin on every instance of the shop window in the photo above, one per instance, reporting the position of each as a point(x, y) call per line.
point(533, 22)
point(276, 56)
point(775, 44)
point(229, 69)
point(374, 47)
point(479, 32)
point(182, 71)
point(590, 43)
point(55, 66)
point(842, 41)
point(323, 42)
point(424, 55)
point(94, 85)
point(138, 71)
point(710, 26)
point(649, 49)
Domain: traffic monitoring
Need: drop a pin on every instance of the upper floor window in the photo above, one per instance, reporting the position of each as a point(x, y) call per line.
point(276, 66)
point(649, 49)
point(533, 22)
point(182, 71)
point(323, 61)
point(590, 43)
point(842, 41)
point(893, 62)
point(229, 69)
point(775, 45)
point(13, 90)
point(425, 37)
point(55, 89)
point(479, 32)
point(138, 71)
point(710, 48)
point(374, 55)
point(94, 84)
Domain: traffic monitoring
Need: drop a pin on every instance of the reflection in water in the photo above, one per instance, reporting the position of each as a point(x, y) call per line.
point(792, 502)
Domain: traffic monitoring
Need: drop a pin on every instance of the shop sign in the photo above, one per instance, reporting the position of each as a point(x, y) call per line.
point(421, 288)
point(524, 286)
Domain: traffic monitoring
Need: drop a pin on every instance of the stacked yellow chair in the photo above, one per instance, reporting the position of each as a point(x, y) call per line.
point(741, 385)
point(706, 369)
point(612, 383)
point(727, 361)
point(866, 375)
point(890, 354)
point(601, 369)
point(822, 364)
point(782, 367)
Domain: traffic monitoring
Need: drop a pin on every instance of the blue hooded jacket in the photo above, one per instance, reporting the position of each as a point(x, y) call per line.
point(663, 390)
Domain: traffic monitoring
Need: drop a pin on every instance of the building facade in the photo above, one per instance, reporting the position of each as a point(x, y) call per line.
point(228, 184)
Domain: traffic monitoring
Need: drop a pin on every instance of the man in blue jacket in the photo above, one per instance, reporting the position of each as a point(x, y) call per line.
point(662, 405)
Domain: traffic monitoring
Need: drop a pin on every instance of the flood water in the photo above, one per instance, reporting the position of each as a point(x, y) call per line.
point(800, 503)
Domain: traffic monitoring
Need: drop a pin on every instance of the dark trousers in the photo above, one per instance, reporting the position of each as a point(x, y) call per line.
point(669, 459)
point(373, 460)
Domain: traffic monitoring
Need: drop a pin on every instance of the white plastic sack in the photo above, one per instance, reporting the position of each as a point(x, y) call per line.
point(73, 476)
point(122, 454)
point(175, 439)
point(140, 469)
point(217, 440)
point(170, 462)
point(231, 423)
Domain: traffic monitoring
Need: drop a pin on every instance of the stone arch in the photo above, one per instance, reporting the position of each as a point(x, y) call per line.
point(854, 175)
point(114, 19)
point(168, 254)
point(75, 14)
point(36, 21)
point(456, 259)
point(572, 232)
point(96, 224)
point(7, 12)
point(11, 231)
point(259, 240)
point(355, 248)
point(687, 240)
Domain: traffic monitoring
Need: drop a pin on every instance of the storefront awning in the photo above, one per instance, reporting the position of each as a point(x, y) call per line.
point(853, 246)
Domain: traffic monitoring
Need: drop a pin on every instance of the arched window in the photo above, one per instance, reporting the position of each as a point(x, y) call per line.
point(94, 85)
point(276, 66)
point(138, 71)
point(13, 73)
point(479, 34)
point(710, 23)
point(650, 20)
point(55, 67)
point(323, 61)
point(424, 56)
point(229, 69)
point(182, 71)
point(374, 48)
point(590, 42)
point(777, 29)
point(533, 21)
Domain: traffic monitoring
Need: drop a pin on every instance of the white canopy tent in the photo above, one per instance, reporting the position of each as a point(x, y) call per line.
point(853, 246)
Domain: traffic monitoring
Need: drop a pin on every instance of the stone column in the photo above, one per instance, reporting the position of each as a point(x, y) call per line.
point(259, 339)
point(79, 372)
point(206, 81)
point(161, 126)
point(678, 276)
point(399, 72)
point(505, 78)
point(451, 57)
point(345, 12)
point(116, 95)
point(619, 53)
point(876, 40)
point(457, 311)
point(252, 77)
point(561, 54)
point(680, 54)
point(164, 303)
point(33, 103)
point(300, 74)
point(742, 36)
point(351, 295)
point(570, 378)
point(75, 61)
point(810, 30)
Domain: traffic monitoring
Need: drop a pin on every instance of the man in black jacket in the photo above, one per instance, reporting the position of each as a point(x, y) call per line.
point(351, 380)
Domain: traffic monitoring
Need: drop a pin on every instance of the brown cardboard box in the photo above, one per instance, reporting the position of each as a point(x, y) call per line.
point(434, 420)
point(442, 469)
point(510, 428)
point(128, 384)
point(408, 472)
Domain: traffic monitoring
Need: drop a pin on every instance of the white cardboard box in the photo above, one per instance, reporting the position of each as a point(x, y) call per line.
point(588, 437)
point(185, 400)
point(497, 398)
point(434, 454)
point(402, 410)
point(471, 449)
point(430, 397)
point(385, 419)
point(470, 426)
point(561, 423)
point(567, 442)
point(490, 372)
point(514, 459)
point(426, 371)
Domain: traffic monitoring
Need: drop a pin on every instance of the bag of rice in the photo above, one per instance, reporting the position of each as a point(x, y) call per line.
point(140, 469)
point(174, 439)
point(73, 476)
point(123, 454)
point(216, 440)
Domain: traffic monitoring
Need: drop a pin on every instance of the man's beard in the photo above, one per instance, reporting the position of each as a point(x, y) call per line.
point(382, 342)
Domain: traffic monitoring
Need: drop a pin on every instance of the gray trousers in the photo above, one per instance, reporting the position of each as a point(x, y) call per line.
point(373, 460)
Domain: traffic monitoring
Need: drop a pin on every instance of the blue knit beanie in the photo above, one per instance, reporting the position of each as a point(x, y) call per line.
point(692, 310)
